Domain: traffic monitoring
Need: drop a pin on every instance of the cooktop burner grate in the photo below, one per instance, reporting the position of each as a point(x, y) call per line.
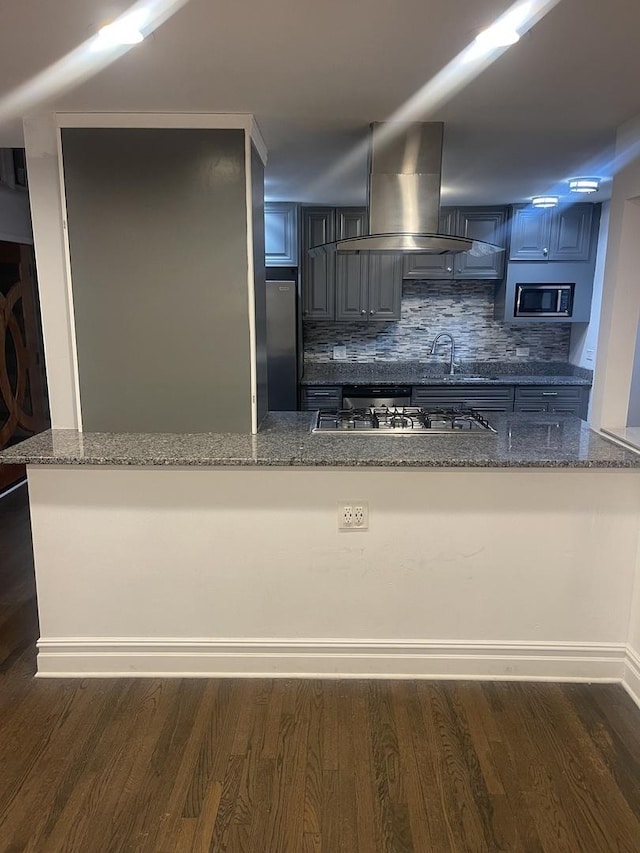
point(405, 420)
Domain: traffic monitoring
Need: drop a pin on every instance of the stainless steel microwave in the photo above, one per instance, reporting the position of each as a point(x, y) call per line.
point(544, 300)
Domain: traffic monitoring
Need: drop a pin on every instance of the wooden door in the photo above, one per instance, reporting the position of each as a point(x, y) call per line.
point(23, 403)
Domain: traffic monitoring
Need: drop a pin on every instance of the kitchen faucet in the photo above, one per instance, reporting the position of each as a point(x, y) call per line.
point(453, 349)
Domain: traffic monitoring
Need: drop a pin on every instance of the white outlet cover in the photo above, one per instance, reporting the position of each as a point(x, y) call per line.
point(339, 353)
point(522, 352)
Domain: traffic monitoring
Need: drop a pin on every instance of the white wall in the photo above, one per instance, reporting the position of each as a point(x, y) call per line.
point(15, 220)
point(524, 572)
point(621, 294)
point(584, 336)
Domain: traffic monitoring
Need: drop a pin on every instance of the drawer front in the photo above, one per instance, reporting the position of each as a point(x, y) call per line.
point(439, 395)
point(548, 393)
point(321, 397)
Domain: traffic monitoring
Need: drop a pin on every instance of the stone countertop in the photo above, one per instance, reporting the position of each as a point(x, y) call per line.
point(419, 373)
point(522, 441)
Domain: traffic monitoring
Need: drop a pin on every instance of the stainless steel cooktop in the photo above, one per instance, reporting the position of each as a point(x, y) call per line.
point(402, 420)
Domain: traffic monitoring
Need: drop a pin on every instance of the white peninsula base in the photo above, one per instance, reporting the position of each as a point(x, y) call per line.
point(480, 573)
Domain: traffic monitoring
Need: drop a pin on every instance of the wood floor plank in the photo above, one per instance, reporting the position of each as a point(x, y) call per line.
point(286, 766)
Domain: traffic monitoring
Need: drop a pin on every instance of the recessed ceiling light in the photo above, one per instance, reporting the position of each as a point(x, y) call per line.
point(125, 30)
point(499, 35)
point(545, 201)
point(584, 185)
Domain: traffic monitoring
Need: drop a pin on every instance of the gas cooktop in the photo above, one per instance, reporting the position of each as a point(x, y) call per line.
point(402, 420)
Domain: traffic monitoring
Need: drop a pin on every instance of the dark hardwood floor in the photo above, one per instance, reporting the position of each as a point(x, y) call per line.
point(276, 766)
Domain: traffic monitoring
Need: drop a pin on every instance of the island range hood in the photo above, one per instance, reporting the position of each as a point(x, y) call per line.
point(405, 161)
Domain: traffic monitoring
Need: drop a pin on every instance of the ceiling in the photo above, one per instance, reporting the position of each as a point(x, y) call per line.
point(315, 74)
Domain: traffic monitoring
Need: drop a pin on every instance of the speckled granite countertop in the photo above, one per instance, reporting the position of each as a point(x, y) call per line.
point(421, 373)
point(522, 440)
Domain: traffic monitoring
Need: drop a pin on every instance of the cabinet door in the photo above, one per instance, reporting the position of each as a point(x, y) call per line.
point(281, 234)
point(351, 222)
point(318, 274)
point(351, 286)
point(530, 234)
point(488, 225)
point(351, 269)
point(433, 266)
point(315, 397)
point(385, 287)
point(571, 233)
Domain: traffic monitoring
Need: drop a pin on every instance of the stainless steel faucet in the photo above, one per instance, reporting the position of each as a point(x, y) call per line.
point(453, 349)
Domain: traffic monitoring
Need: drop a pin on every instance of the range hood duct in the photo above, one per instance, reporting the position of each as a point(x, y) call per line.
point(405, 161)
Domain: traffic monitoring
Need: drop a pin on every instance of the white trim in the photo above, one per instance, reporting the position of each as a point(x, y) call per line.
point(251, 289)
point(114, 657)
point(631, 681)
point(69, 284)
point(222, 121)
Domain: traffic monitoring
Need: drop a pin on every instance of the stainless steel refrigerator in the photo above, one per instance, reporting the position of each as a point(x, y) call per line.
point(283, 356)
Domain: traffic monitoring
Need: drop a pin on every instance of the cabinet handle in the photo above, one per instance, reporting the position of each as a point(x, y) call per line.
point(372, 311)
point(549, 393)
point(363, 312)
point(449, 269)
point(545, 251)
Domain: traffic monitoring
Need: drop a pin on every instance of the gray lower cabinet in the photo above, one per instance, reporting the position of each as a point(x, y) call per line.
point(321, 397)
point(486, 399)
point(281, 234)
point(558, 399)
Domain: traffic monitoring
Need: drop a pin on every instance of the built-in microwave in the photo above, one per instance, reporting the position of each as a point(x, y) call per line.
point(544, 300)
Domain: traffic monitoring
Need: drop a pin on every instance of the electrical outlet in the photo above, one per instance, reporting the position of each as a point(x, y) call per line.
point(361, 516)
point(522, 352)
point(353, 516)
point(339, 353)
point(345, 516)
point(589, 355)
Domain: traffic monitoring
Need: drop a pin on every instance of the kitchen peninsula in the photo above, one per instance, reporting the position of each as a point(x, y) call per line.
point(510, 555)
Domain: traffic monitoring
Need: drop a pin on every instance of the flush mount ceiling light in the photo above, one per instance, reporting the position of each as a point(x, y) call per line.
point(545, 201)
point(126, 30)
point(584, 185)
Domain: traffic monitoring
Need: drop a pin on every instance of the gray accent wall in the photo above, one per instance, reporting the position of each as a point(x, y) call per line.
point(158, 238)
point(257, 195)
point(466, 309)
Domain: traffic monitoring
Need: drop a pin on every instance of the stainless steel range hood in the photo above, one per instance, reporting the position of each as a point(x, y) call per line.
point(405, 162)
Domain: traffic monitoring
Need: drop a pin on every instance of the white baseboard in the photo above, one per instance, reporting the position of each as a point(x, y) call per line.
point(169, 657)
point(631, 679)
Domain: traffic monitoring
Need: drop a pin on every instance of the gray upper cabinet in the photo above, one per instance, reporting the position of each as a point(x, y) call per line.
point(281, 234)
point(433, 266)
point(530, 234)
point(558, 234)
point(352, 286)
point(368, 287)
point(347, 286)
point(486, 224)
point(351, 268)
point(318, 274)
point(351, 222)
point(571, 233)
point(385, 287)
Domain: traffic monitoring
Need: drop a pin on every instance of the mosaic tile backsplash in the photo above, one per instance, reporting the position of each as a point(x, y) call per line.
point(464, 309)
